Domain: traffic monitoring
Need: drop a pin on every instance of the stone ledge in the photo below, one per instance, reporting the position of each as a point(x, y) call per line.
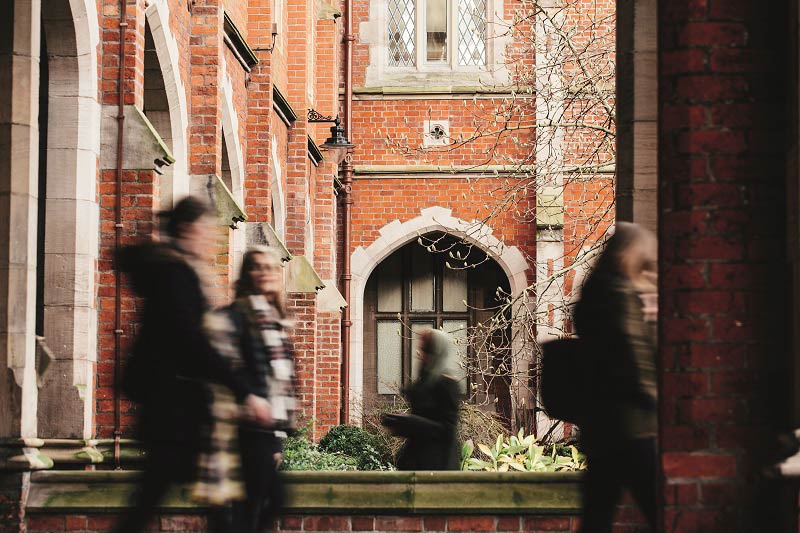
point(337, 492)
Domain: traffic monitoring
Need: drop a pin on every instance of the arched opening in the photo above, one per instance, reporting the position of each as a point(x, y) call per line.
point(438, 281)
point(67, 227)
point(157, 110)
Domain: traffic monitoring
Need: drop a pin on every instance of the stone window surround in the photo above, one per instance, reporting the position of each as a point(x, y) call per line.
point(394, 236)
point(378, 73)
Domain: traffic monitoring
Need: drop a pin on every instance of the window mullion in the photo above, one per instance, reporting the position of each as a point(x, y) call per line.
point(452, 32)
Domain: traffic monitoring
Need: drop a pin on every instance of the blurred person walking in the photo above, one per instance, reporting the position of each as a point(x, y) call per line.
point(172, 358)
point(255, 331)
point(433, 398)
point(618, 432)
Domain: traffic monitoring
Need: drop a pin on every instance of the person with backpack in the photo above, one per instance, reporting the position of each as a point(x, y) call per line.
point(172, 358)
point(618, 422)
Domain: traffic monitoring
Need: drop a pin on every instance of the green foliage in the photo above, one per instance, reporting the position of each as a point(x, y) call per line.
point(358, 443)
point(299, 453)
point(522, 453)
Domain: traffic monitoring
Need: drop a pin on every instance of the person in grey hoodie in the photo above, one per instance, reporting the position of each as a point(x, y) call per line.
point(434, 399)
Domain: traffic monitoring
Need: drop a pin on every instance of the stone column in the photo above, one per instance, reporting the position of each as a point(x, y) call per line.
point(19, 153)
point(637, 111)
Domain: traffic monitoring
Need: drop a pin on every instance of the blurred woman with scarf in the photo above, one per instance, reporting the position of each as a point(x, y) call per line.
point(253, 333)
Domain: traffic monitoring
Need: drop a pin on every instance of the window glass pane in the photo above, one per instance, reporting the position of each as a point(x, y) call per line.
point(421, 279)
point(454, 290)
point(416, 329)
point(400, 22)
point(471, 32)
point(390, 285)
point(436, 30)
point(390, 357)
point(458, 330)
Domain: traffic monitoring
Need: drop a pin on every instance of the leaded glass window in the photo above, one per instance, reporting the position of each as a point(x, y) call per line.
point(450, 33)
point(401, 28)
point(471, 32)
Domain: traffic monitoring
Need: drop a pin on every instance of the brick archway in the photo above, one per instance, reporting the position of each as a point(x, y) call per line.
point(393, 237)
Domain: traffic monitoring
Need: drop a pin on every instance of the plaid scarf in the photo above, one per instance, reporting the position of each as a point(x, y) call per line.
point(219, 476)
point(275, 361)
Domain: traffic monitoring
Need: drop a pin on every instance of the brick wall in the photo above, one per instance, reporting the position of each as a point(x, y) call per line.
point(379, 201)
point(721, 235)
point(100, 523)
point(139, 194)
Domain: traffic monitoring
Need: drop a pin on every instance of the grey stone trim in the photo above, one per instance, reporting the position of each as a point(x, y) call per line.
point(237, 44)
point(282, 106)
point(338, 492)
point(314, 153)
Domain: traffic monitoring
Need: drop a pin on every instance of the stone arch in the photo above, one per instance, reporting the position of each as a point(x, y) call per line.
point(70, 216)
point(394, 236)
point(230, 134)
point(277, 199)
point(232, 165)
point(157, 14)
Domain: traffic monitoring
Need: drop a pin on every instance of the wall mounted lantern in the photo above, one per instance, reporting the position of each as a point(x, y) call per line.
point(337, 144)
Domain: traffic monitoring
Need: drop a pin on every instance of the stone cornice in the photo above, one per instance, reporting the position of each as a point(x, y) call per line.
point(236, 43)
point(282, 106)
point(338, 492)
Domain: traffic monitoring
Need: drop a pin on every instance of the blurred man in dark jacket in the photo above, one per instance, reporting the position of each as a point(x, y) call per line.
point(619, 432)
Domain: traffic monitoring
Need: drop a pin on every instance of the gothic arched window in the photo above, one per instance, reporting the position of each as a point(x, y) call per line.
point(415, 289)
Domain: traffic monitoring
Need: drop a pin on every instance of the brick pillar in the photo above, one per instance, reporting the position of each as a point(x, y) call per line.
point(139, 194)
point(205, 127)
point(329, 321)
point(721, 308)
point(299, 180)
point(303, 308)
point(259, 102)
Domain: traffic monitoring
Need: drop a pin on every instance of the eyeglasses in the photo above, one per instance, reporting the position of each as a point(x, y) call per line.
point(256, 267)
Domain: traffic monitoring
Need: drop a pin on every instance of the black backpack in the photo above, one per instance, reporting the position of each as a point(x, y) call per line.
point(563, 381)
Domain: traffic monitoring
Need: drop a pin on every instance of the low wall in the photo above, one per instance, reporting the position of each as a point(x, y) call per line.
point(90, 501)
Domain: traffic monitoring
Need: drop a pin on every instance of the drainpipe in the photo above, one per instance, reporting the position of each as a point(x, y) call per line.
point(123, 25)
point(347, 201)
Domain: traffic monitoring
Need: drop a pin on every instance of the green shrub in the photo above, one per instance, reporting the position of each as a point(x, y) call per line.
point(358, 443)
point(299, 453)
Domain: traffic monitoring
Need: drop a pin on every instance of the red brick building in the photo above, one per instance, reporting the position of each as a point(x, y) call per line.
point(113, 109)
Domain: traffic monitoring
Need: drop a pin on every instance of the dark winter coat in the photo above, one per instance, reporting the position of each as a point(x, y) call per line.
point(430, 428)
point(172, 358)
point(620, 362)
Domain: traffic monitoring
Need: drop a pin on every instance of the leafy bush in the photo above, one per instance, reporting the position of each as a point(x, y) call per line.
point(358, 443)
point(299, 453)
point(520, 452)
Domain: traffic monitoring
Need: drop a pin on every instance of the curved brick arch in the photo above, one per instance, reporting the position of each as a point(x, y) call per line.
point(394, 236)
point(168, 58)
